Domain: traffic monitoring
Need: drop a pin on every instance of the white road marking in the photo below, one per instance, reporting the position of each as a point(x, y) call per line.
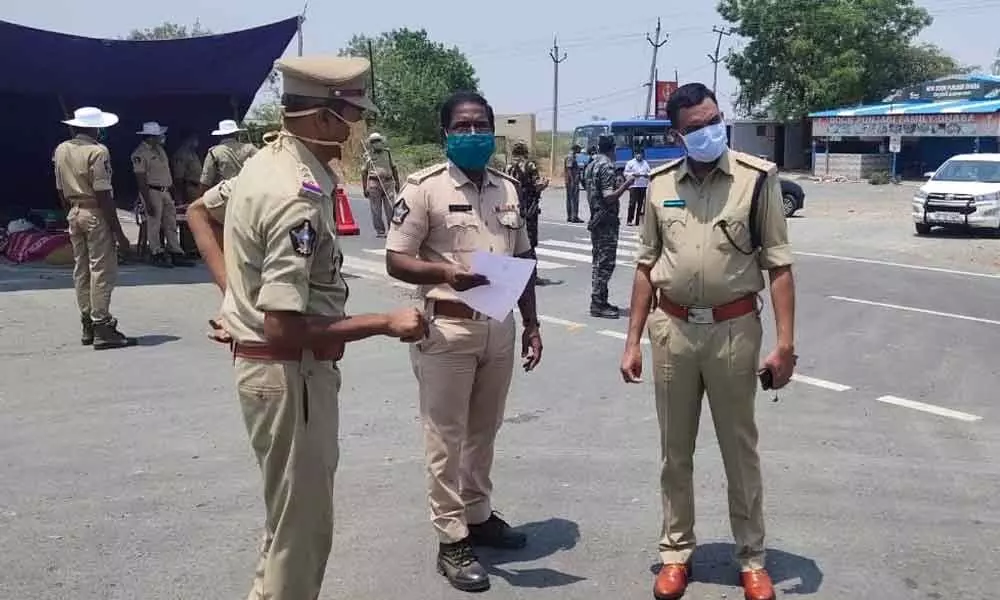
point(564, 224)
point(375, 271)
point(574, 257)
point(619, 335)
point(918, 310)
point(584, 247)
point(829, 385)
point(930, 408)
point(885, 263)
point(558, 321)
point(542, 264)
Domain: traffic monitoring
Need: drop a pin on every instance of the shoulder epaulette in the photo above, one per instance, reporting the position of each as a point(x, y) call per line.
point(664, 168)
point(421, 175)
point(757, 164)
point(500, 173)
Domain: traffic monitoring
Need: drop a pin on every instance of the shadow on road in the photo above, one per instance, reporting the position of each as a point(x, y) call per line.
point(545, 538)
point(792, 574)
point(155, 339)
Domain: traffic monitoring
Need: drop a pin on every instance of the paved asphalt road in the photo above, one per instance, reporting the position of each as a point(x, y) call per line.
point(127, 474)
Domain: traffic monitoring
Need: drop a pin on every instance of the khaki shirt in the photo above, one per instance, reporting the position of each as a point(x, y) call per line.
point(186, 167)
point(281, 253)
point(692, 262)
point(224, 161)
point(152, 160)
point(440, 216)
point(216, 198)
point(82, 168)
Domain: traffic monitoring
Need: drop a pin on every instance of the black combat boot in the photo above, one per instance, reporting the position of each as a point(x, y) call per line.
point(604, 311)
point(496, 533)
point(179, 260)
point(161, 260)
point(459, 564)
point(87, 338)
point(107, 336)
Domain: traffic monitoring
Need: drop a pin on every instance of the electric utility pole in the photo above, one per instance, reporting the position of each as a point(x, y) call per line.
point(298, 27)
point(652, 65)
point(715, 57)
point(556, 59)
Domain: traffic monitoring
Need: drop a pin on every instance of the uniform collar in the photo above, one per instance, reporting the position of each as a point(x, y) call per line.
point(460, 179)
point(724, 164)
point(311, 170)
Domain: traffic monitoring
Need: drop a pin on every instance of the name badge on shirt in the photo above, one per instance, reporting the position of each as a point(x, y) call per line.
point(459, 208)
point(678, 203)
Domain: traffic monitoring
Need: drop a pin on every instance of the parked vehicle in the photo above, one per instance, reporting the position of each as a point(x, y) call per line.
point(793, 197)
point(964, 193)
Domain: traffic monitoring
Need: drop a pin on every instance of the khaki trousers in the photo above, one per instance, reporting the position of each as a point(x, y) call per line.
point(165, 219)
point(380, 202)
point(722, 359)
point(95, 261)
point(291, 414)
point(464, 368)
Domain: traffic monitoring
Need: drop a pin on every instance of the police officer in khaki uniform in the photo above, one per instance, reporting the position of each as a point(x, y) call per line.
point(83, 180)
point(702, 252)
point(443, 215)
point(285, 309)
point(152, 173)
point(186, 169)
point(225, 159)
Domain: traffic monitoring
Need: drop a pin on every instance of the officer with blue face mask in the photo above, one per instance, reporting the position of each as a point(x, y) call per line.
point(443, 215)
point(714, 224)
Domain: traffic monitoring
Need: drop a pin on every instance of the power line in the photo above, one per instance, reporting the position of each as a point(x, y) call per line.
point(715, 57)
point(652, 66)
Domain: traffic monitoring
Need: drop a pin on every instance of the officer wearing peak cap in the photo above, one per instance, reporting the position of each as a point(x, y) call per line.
point(83, 180)
point(285, 310)
point(152, 173)
point(713, 223)
point(444, 214)
point(225, 159)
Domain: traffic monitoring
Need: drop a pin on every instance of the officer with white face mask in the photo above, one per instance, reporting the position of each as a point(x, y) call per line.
point(713, 224)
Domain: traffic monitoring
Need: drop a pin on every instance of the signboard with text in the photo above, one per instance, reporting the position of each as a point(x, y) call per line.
point(942, 125)
point(948, 89)
point(663, 91)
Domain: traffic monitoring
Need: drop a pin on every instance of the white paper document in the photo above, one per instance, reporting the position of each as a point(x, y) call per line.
point(508, 277)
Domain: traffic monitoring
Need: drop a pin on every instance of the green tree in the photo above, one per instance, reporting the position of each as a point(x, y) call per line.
point(806, 55)
point(168, 31)
point(413, 75)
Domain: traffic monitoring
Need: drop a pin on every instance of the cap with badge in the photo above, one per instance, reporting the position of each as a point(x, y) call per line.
point(327, 77)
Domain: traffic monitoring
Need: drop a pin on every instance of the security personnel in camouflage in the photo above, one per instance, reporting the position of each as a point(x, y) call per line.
point(599, 179)
point(531, 184)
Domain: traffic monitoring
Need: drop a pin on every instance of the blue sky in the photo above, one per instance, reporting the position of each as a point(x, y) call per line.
point(508, 42)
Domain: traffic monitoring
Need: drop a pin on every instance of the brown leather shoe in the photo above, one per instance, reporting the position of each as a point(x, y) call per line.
point(757, 585)
point(672, 581)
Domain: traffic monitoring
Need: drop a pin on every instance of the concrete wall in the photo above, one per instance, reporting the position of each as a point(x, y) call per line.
point(517, 128)
point(760, 139)
point(851, 166)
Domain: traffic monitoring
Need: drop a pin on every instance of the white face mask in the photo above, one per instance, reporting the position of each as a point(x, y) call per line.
point(707, 144)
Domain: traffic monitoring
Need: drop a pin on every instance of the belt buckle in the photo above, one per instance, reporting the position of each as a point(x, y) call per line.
point(700, 315)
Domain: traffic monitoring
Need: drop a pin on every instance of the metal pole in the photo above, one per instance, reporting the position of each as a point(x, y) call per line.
point(371, 61)
point(652, 65)
point(556, 59)
point(302, 19)
point(715, 57)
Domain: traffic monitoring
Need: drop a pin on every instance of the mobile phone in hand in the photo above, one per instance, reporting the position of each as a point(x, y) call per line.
point(766, 379)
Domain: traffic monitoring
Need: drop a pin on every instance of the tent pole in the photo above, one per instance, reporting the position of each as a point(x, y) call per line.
point(66, 114)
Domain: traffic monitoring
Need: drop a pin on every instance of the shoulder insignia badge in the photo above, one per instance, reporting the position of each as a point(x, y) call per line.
point(420, 176)
point(506, 176)
point(664, 168)
point(400, 211)
point(757, 164)
point(303, 238)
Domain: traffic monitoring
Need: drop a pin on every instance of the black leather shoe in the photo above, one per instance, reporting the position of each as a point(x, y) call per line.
point(604, 312)
point(496, 533)
point(161, 260)
point(459, 564)
point(178, 259)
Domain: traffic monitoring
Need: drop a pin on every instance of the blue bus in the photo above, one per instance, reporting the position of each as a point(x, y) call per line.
point(649, 134)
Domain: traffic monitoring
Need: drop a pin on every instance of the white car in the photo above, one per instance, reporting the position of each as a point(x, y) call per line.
point(963, 193)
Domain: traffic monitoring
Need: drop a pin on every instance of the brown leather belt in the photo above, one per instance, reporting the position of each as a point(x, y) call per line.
point(277, 353)
point(707, 315)
point(160, 188)
point(455, 310)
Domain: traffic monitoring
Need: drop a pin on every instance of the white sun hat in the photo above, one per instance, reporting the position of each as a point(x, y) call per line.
point(376, 137)
point(228, 127)
point(151, 128)
point(91, 117)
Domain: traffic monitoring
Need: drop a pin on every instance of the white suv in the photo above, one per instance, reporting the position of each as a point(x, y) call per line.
point(963, 193)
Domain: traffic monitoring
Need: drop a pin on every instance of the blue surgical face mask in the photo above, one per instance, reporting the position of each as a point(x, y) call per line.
point(470, 151)
point(707, 144)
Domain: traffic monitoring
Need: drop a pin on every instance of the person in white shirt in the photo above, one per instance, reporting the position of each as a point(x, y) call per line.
point(637, 193)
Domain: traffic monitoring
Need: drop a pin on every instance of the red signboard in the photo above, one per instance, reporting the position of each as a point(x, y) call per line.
point(663, 91)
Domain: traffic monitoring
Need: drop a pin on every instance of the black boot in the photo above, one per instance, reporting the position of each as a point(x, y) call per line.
point(87, 338)
point(161, 260)
point(497, 533)
point(107, 336)
point(179, 260)
point(459, 564)
point(604, 311)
